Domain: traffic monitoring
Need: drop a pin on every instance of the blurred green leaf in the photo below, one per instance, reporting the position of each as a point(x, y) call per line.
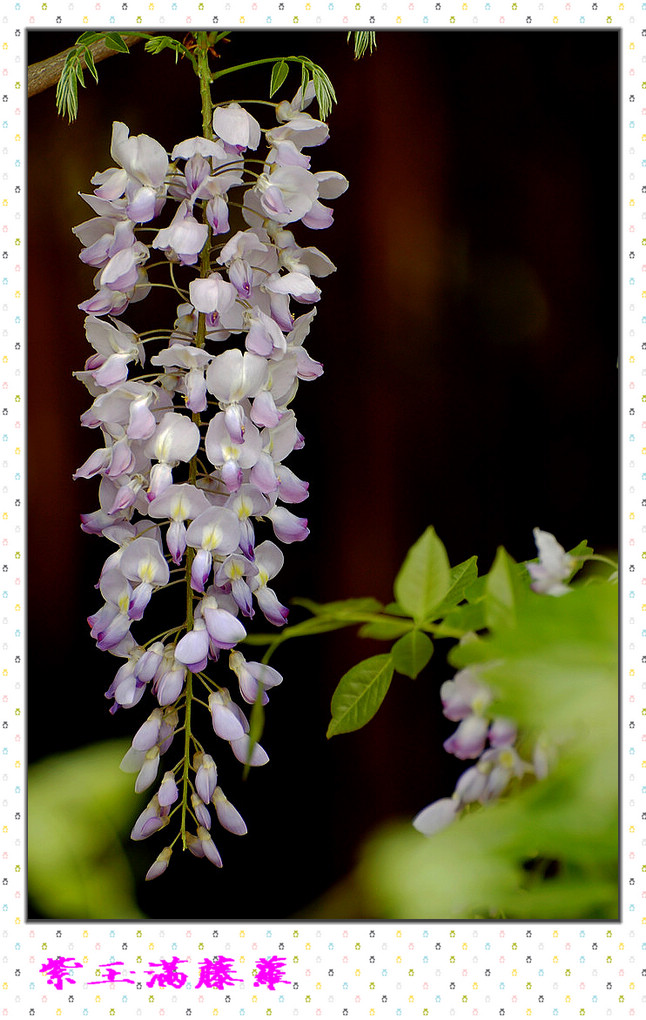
point(360, 693)
point(411, 653)
point(79, 805)
point(462, 577)
point(386, 630)
point(463, 619)
point(581, 550)
point(502, 591)
point(394, 609)
point(424, 578)
point(341, 609)
point(550, 848)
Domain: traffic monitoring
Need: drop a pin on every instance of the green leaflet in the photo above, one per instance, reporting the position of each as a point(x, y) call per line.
point(502, 591)
point(411, 653)
point(465, 618)
point(360, 693)
point(114, 41)
point(278, 74)
point(424, 578)
point(363, 42)
point(462, 577)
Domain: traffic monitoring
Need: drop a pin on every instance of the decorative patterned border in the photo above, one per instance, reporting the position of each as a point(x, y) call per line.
point(383, 969)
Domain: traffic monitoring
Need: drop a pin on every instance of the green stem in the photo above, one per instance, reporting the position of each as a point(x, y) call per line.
point(254, 63)
point(602, 559)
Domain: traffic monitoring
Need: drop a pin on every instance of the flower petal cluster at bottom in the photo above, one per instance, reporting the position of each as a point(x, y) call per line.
point(466, 699)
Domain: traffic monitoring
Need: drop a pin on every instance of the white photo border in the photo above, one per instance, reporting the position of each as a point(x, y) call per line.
point(381, 969)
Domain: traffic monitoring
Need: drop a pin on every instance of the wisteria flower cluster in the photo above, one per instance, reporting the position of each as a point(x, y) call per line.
point(466, 700)
point(194, 442)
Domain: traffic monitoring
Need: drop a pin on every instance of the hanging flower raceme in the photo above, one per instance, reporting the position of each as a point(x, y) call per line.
point(192, 479)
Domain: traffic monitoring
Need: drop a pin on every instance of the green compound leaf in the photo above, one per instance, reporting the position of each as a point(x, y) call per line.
point(360, 693)
point(424, 578)
point(278, 74)
point(411, 653)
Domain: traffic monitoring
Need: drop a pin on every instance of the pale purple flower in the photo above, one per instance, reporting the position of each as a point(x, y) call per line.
point(436, 816)
point(201, 811)
point(297, 285)
point(287, 526)
point(503, 764)
point(215, 530)
point(194, 146)
point(230, 456)
point(264, 335)
point(232, 376)
point(287, 193)
point(228, 817)
point(463, 695)
point(502, 732)
point(150, 820)
point(240, 748)
point(252, 675)
point(160, 864)
point(269, 560)
point(226, 721)
point(193, 648)
point(247, 502)
point(206, 778)
point(471, 785)
point(175, 439)
point(212, 294)
point(144, 164)
point(169, 679)
point(148, 733)
point(121, 272)
point(112, 622)
point(236, 127)
point(184, 238)
point(217, 215)
point(233, 575)
point(554, 566)
point(179, 503)
point(469, 739)
point(301, 129)
point(148, 771)
point(209, 848)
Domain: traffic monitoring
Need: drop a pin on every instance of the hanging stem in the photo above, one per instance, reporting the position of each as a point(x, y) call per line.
point(203, 72)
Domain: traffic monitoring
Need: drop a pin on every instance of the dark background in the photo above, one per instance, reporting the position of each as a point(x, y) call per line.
point(470, 344)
